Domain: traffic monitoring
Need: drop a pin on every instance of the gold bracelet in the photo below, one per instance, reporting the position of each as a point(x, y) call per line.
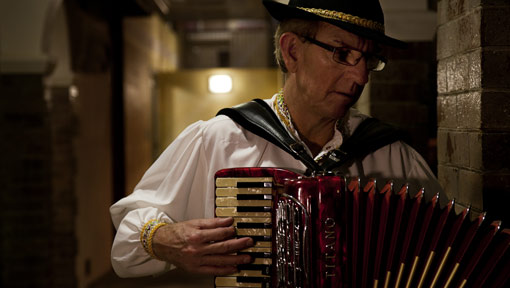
point(147, 234)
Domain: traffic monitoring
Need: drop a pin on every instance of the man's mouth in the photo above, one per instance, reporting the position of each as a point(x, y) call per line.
point(348, 95)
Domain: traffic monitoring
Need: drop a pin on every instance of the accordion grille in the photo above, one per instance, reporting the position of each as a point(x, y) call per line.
point(324, 232)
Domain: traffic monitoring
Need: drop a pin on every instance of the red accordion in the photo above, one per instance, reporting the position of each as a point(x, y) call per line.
point(321, 231)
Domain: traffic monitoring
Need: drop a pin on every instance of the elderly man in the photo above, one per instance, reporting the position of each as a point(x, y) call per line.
point(326, 48)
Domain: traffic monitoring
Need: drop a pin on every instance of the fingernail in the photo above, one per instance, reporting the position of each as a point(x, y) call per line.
point(247, 260)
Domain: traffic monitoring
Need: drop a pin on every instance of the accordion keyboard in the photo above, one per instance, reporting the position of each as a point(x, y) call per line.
point(249, 201)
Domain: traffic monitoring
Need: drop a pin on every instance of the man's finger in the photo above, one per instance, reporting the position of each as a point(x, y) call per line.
point(217, 234)
point(217, 270)
point(228, 246)
point(212, 223)
point(225, 260)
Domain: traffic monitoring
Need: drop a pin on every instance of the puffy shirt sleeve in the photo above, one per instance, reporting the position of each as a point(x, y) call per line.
point(179, 186)
point(159, 195)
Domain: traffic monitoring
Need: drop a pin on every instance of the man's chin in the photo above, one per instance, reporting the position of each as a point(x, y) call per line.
point(342, 110)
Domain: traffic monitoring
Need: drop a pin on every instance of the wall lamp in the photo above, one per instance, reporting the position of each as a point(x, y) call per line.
point(220, 84)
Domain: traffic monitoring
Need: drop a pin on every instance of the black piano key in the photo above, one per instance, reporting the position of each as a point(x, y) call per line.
point(246, 279)
point(256, 254)
point(253, 209)
point(254, 197)
point(254, 225)
point(254, 185)
point(264, 269)
point(256, 238)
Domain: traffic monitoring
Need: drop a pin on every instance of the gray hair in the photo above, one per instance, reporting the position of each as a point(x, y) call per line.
point(297, 26)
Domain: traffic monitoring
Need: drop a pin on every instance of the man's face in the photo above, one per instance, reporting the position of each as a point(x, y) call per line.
point(327, 87)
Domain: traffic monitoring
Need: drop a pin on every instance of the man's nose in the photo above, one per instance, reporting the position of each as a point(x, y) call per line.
point(360, 72)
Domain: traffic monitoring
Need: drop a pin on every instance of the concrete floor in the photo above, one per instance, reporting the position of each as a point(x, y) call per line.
point(172, 279)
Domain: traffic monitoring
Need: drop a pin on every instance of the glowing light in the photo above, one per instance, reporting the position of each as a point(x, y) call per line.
point(220, 84)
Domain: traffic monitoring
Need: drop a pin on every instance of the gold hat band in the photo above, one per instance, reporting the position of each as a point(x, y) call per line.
point(373, 25)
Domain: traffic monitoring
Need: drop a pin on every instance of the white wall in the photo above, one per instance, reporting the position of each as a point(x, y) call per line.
point(23, 29)
point(409, 20)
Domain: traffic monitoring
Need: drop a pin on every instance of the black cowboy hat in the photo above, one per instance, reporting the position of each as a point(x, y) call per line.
point(361, 17)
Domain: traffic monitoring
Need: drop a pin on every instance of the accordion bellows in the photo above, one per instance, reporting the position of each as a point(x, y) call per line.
point(323, 231)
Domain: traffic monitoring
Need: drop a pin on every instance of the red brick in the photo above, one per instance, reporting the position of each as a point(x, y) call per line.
point(496, 191)
point(496, 152)
point(442, 82)
point(468, 110)
point(475, 151)
point(495, 110)
point(496, 17)
point(495, 67)
point(457, 73)
point(475, 69)
point(447, 111)
point(448, 177)
point(442, 149)
point(459, 35)
point(471, 188)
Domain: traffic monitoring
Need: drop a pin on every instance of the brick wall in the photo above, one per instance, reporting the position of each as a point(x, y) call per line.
point(36, 220)
point(26, 185)
point(473, 53)
point(63, 197)
point(404, 95)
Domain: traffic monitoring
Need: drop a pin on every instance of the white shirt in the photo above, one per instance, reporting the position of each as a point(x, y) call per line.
point(179, 186)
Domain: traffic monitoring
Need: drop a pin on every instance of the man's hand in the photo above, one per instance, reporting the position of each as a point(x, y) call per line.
point(201, 246)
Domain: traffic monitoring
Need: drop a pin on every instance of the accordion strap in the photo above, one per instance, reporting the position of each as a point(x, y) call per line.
point(257, 117)
point(370, 135)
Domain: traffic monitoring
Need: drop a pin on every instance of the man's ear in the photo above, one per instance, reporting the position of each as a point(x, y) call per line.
point(290, 45)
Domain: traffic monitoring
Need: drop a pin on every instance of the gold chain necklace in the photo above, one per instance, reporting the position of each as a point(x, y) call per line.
point(283, 112)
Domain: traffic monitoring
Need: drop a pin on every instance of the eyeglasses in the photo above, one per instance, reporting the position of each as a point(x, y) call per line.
point(351, 57)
